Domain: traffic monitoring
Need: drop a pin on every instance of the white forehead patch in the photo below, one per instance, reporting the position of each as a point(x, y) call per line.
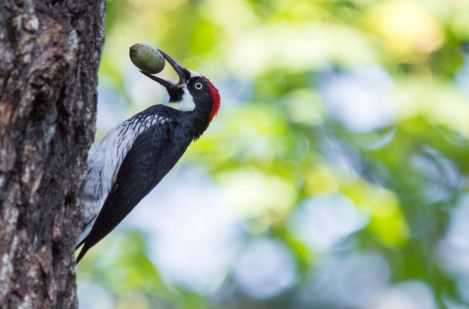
point(195, 74)
point(186, 104)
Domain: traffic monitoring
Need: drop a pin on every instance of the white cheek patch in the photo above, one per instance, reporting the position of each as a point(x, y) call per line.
point(186, 104)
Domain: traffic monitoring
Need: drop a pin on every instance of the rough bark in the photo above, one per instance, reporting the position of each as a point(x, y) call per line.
point(49, 56)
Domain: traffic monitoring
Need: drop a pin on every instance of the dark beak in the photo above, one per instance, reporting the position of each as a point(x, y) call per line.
point(172, 88)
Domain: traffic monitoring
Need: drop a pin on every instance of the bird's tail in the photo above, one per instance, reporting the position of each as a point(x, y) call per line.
point(83, 251)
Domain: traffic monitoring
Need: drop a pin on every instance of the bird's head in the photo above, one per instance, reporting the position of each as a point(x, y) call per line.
point(192, 93)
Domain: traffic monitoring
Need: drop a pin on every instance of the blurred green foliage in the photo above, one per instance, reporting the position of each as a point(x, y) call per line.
point(279, 65)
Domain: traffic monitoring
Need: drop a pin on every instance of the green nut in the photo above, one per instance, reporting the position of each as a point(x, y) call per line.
point(146, 58)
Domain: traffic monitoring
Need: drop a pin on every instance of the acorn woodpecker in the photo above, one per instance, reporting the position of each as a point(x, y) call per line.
point(133, 157)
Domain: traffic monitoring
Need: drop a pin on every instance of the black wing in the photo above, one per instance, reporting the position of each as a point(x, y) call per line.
point(152, 155)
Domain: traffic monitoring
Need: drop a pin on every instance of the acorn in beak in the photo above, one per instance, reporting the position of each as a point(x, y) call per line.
point(174, 89)
point(152, 61)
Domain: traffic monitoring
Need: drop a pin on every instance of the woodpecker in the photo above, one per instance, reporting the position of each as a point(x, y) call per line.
point(133, 157)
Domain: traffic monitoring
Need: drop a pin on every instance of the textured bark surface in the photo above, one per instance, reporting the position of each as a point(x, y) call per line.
point(49, 56)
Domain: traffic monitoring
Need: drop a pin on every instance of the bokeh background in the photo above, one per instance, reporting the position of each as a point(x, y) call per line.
point(334, 177)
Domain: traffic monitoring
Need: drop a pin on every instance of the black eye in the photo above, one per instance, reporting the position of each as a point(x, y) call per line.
point(198, 85)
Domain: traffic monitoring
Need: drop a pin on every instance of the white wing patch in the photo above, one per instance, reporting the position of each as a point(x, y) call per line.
point(104, 161)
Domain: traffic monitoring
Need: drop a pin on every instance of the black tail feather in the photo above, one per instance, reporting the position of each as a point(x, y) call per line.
point(83, 251)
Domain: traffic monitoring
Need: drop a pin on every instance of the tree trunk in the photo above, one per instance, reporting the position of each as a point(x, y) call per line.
point(49, 56)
